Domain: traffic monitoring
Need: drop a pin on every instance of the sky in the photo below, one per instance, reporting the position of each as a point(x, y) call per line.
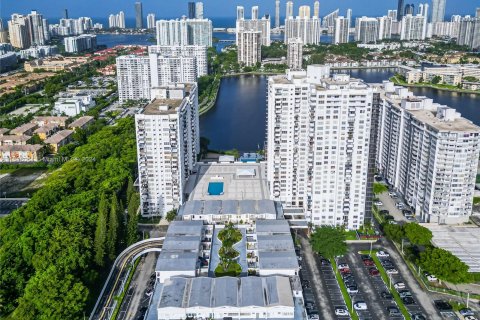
point(212, 8)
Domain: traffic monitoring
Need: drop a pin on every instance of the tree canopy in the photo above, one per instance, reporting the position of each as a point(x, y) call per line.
point(444, 265)
point(417, 234)
point(329, 241)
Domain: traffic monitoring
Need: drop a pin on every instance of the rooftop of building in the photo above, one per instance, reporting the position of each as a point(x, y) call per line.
point(59, 136)
point(182, 292)
point(47, 119)
point(15, 137)
point(238, 182)
point(46, 128)
point(228, 207)
point(3, 131)
point(26, 147)
point(459, 124)
point(81, 121)
point(162, 107)
point(23, 128)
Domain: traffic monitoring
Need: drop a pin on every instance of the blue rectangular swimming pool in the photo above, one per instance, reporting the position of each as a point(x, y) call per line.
point(215, 188)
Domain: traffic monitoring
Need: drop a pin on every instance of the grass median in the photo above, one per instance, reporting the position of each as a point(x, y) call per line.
point(343, 289)
point(392, 290)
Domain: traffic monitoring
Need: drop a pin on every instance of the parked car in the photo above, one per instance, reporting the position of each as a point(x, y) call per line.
point(341, 311)
point(400, 205)
point(391, 271)
point(387, 263)
point(343, 266)
point(404, 293)
point(384, 212)
point(373, 272)
point(325, 262)
point(360, 305)
point(418, 316)
point(386, 295)
point(470, 318)
point(352, 289)
point(368, 263)
point(392, 194)
point(466, 312)
point(383, 254)
point(410, 218)
point(314, 316)
point(393, 311)
point(366, 257)
point(399, 285)
point(378, 203)
point(408, 301)
point(442, 305)
point(431, 277)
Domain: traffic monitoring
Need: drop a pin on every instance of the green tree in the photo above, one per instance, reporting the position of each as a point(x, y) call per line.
point(436, 80)
point(130, 189)
point(444, 265)
point(329, 241)
point(171, 215)
point(417, 234)
point(132, 222)
point(394, 232)
point(379, 188)
point(101, 232)
point(113, 228)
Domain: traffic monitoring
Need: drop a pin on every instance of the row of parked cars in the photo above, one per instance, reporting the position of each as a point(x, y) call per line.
point(446, 309)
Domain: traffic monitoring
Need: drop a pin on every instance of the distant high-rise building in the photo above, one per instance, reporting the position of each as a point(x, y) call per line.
point(277, 13)
point(366, 30)
point(249, 48)
point(321, 171)
point(316, 9)
point(255, 13)
point(3, 33)
point(413, 27)
point(289, 11)
point(37, 31)
point(19, 31)
point(329, 20)
point(385, 27)
point(184, 32)
point(199, 10)
point(138, 15)
point(171, 119)
point(191, 10)
point(240, 13)
point(304, 12)
point(409, 9)
point(65, 13)
point(308, 29)
point(84, 42)
point(295, 54)
point(349, 17)
point(341, 31)
point(438, 10)
point(392, 14)
point(133, 77)
point(121, 20)
point(400, 9)
point(197, 52)
point(117, 20)
point(477, 13)
point(469, 33)
point(151, 21)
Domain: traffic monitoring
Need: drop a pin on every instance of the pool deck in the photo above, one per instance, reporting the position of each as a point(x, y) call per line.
point(235, 187)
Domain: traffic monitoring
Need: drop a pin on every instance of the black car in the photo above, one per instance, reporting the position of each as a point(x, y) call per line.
point(408, 301)
point(443, 305)
point(386, 295)
point(325, 262)
point(366, 257)
point(384, 212)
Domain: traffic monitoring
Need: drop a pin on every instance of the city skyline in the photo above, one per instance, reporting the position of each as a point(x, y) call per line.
point(213, 8)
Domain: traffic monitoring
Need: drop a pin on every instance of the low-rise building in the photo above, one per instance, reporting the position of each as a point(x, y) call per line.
point(81, 123)
point(8, 61)
point(25, 153)
point(74, 104)
point(14, 140)
point(3, 131)
point(55, 64)
point(59, 139)
point(24, 129)
point(46, 131)
point(49, 120)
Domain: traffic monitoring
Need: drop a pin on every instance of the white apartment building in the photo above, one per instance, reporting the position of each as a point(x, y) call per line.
point(133, 78)
point(438, 10)
point(385, 27)
point(262, 25)
point(446, 29)
point(289, 9)
point(413, 27)
point(342, 30)
point(117, 20)
point(469, 34)
point(184, 32)
point(198, 52)
point(366, 30)
point(308, 29)
point(429, 154)
point(172, 69)
point(319, 131)
point(151, 21)
point(27, 30)
point(84, 42)
point(74, 104)
point(329, 20)
point(168, 142)
point(295, 54)
point(249, 48)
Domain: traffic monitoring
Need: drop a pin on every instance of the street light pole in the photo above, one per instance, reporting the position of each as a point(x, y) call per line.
point(468, 298)
point(402, 246)
point(371, 245)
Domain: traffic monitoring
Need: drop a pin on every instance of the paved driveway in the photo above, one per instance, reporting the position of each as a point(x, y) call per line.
point(389, 204)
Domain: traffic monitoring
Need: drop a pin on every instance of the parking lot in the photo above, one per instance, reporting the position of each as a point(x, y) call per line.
point(331, 285)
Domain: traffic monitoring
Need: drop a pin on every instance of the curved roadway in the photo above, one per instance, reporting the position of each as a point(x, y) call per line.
point(103, 307)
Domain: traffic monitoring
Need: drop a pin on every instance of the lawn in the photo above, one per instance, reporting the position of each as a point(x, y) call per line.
point(351, 235)
point(233, 270)
point(385, 278)
point(346, 296)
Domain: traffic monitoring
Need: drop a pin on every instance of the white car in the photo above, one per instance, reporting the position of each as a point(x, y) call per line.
point(432, 278)
point(360, 305)
point(343, 266)
point(378, 203)
point(383, 254)
point(313, 317)
point(470, 318)
point(391, 271)
point(341, 312)
point(392, 194)
point(399, 285)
